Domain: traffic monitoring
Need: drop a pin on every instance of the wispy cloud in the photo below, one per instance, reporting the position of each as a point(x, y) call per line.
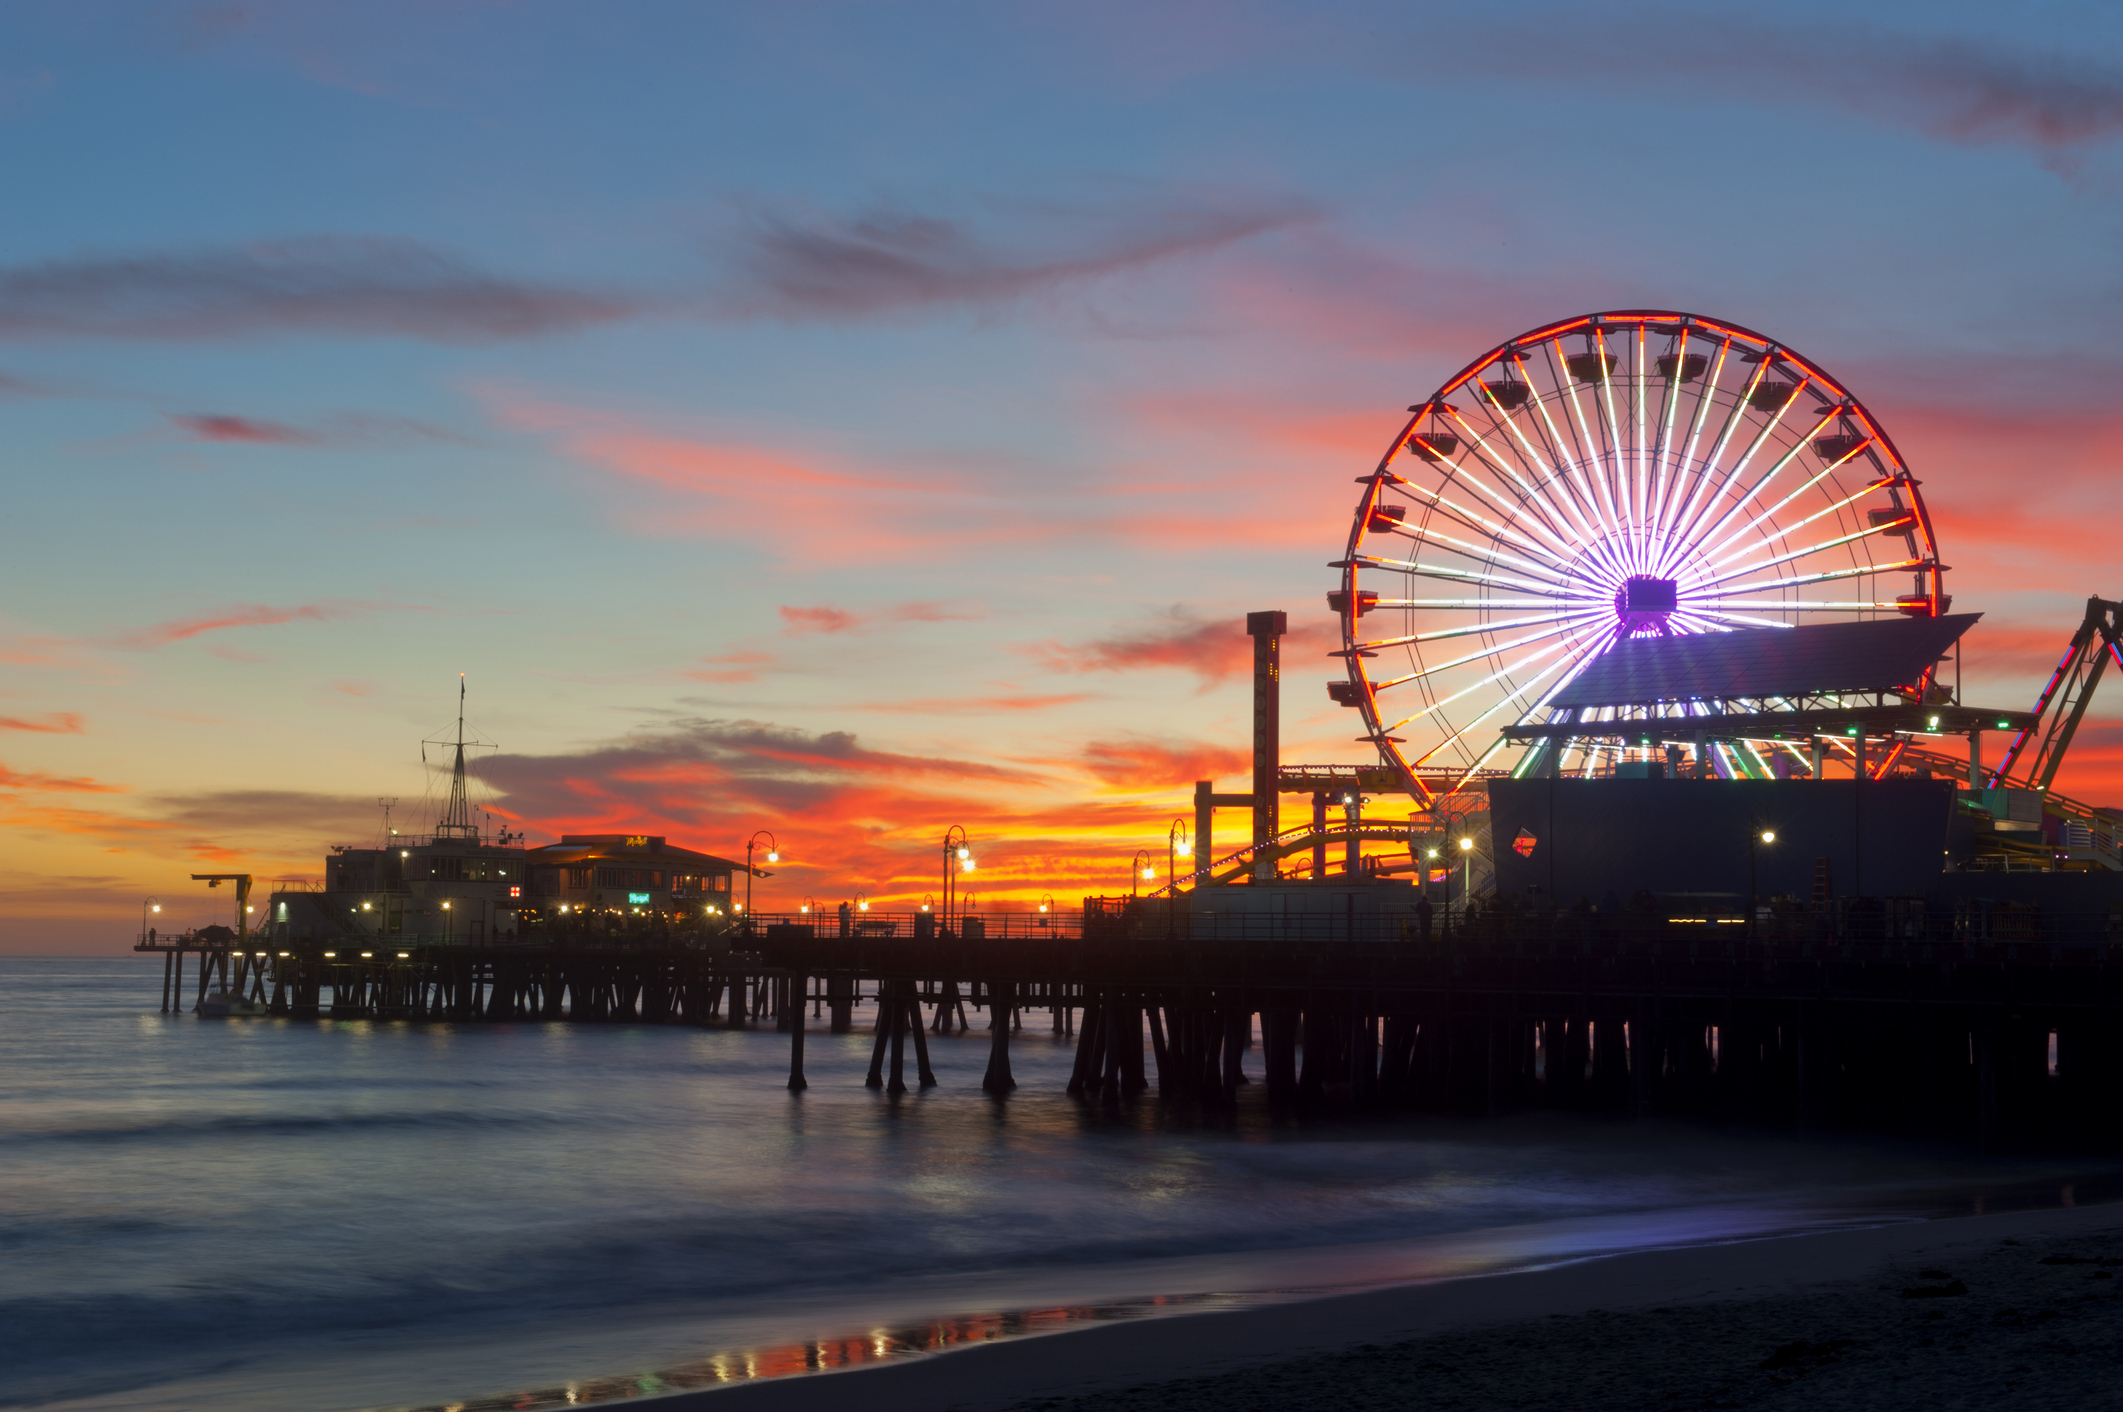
point(346, 285)
point(52, 723)
point(36, 782)
point(246, 615)
point(1964, 91)
point(728, 668)
point(975, 705)
point(216, 426)
point(799, 264)
point(831, 620)
point(342, 429)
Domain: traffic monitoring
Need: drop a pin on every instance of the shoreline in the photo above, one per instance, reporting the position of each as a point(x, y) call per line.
point(1102, 1361)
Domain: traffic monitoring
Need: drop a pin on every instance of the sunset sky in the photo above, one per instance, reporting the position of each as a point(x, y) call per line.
point(852, 420)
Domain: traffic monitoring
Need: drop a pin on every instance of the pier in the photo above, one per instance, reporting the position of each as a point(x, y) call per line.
point(2001, 1026)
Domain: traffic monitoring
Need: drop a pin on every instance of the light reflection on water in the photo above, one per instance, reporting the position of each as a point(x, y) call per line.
point(262, 1214)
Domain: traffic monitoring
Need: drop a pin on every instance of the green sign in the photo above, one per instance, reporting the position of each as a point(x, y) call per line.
point(638, 899)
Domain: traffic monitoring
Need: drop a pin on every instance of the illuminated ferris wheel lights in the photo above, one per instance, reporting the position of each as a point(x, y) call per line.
point(1577, 464)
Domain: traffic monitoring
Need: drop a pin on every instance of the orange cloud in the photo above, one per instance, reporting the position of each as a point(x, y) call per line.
point(975, 705)
point(826, 619)
point(239, 616)
point(52, 723)
point(1145, 764)
point(1213, 649)
point(34, 781)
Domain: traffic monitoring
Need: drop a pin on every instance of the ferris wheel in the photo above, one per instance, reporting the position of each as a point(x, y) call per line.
point(1612, 476)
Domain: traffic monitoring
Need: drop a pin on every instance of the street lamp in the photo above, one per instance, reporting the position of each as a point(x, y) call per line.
point(1178, 844)
point(1756, 833)
point(862, 902)
point(773, 856)
point(147, 905)
point(1467, 873)
point(1138, 869)
point(1046, 909)
point(958, 858)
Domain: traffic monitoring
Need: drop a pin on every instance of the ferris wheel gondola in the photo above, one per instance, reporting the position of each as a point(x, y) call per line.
point(1622, 474)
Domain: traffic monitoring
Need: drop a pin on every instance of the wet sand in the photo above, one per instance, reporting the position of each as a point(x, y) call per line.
point(2004, 1311)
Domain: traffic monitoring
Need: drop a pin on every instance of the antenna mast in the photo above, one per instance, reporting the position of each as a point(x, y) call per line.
point(457, 817)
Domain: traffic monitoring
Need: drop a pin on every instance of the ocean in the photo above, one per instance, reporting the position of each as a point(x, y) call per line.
point(261, 1213)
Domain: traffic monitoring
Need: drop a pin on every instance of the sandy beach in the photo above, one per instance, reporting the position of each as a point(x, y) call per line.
point(2015, 1310)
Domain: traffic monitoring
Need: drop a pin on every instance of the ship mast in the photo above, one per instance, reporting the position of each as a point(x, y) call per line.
point(457, 817)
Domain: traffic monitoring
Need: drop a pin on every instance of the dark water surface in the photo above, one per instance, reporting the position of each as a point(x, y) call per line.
point(273, 1214)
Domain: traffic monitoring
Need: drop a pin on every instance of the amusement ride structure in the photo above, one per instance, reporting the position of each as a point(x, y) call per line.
point(1644, 542)
point(1608, 477)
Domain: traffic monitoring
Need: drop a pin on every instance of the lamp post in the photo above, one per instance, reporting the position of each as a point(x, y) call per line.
point(147, 905)
point(1046, 909)
point(958, 858)
point(1756, 833)
point(773, 856)
point(1138, 869)
point(1178, 844)
point(1467, 873)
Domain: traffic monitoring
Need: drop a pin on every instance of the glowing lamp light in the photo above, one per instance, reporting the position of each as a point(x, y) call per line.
point(967, 864)
point(283, 953)
point(445, 906)
point(1769, 835)
point(1466, 845)
point(1186, 850)
point(2004, 725)
point(965, 853)
point(1433, 853)
point(1932, 724)
point(563, 909)
point(924, 906)
point(862, 906)
point(364, 906)
point(156, 908)
point(405, 852)
point(805, 908)
point(364, 955)
point(1042, 906)
point(249, 910)
point(403, 955)
point(772, 856)
point(330, 955)
point(737, 906)
point(1149, 872)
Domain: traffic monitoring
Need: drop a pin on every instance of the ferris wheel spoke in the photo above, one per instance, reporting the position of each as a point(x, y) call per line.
point(1829, 575)
point(1779, 605)
point(1589, 459)
point(1444, 633)
point(1479, 523)
point(1501, 704)
point(1861, 492)
point(1741, 502)
point(1545, 468)
point(1453, 573)
point(1710, 479)
point(1492, 555)
point(1894, 526)
point(1499, 674)
point(1527, 497)
point(1663, 449)
point(1714, 616)
point(1704, 400)
point(1470, 603)
point(1564, 461)
point(1489, 651)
